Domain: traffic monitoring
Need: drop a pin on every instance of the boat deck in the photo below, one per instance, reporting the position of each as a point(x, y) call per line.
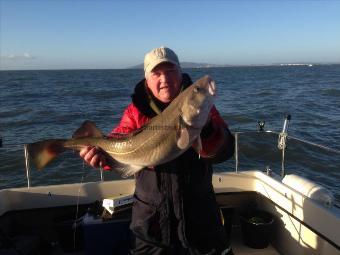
point(238, 247)
point(37, 219)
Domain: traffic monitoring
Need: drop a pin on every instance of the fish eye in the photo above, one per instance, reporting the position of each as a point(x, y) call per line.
point(196, 89)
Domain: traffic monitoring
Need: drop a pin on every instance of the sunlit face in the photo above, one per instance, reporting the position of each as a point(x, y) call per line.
point(164, 81)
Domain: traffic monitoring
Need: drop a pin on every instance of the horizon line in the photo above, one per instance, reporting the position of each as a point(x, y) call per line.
point(206, 66)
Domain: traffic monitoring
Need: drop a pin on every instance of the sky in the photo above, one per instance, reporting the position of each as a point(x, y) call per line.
point(103, 34)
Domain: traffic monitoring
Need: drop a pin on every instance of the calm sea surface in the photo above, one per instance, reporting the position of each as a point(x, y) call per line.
point(36, 105)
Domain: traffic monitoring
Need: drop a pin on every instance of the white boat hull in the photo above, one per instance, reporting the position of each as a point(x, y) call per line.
point(302, 226)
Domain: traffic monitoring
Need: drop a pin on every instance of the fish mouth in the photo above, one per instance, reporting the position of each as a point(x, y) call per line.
point(186, 121)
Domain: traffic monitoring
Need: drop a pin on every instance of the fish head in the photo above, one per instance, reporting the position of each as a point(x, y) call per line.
point(198, 102)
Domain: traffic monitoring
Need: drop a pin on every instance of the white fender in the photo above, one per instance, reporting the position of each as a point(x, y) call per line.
point(309, 189)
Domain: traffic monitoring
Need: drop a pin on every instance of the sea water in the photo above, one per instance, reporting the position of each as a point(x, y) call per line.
point(45, 104)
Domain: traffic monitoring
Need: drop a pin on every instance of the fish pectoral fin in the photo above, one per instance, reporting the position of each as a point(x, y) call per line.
point(87, 129)
point(124, 170)
point(183, 138)
point(128, 170)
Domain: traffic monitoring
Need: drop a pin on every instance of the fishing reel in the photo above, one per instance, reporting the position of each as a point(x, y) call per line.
point(261, 124)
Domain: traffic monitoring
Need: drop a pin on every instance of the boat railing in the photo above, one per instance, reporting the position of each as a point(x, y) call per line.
point(15, 161)
point(238, 134)
point(318, 163)
point(282, 138)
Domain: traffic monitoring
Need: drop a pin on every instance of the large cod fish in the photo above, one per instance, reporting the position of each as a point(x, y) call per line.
point(162, 139)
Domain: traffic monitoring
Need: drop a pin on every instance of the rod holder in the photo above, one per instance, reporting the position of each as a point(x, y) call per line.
point(27, 165)
point(281, 144)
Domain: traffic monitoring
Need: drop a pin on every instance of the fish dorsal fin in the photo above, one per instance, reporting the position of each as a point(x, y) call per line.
point(87, 129)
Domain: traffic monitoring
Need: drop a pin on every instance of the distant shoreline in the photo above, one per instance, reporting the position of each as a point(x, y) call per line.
point(186, 65)
point(207, 65)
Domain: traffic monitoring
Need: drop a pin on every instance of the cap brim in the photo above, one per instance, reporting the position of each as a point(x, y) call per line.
point(160, 61)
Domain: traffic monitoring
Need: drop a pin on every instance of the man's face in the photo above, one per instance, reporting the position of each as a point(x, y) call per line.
point(164, 81)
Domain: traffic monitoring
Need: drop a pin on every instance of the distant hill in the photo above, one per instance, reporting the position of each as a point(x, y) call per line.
point(186, 65)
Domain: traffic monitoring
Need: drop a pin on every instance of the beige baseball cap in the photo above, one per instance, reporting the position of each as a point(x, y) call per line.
point(158, 56)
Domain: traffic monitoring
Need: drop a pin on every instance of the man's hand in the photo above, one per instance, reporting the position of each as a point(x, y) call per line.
point(93, 156)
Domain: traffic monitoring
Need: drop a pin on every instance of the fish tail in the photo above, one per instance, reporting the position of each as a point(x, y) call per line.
point(43, 152)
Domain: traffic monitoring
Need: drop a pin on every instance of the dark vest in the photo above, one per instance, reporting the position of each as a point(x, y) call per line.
point(175, 201)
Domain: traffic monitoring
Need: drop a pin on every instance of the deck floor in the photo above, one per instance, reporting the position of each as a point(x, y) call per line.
point(239, 248)
point(237, 244)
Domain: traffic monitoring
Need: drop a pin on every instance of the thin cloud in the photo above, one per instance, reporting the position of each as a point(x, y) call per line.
point(25, 56)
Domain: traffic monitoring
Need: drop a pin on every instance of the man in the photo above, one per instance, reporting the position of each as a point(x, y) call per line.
point(175, 210)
